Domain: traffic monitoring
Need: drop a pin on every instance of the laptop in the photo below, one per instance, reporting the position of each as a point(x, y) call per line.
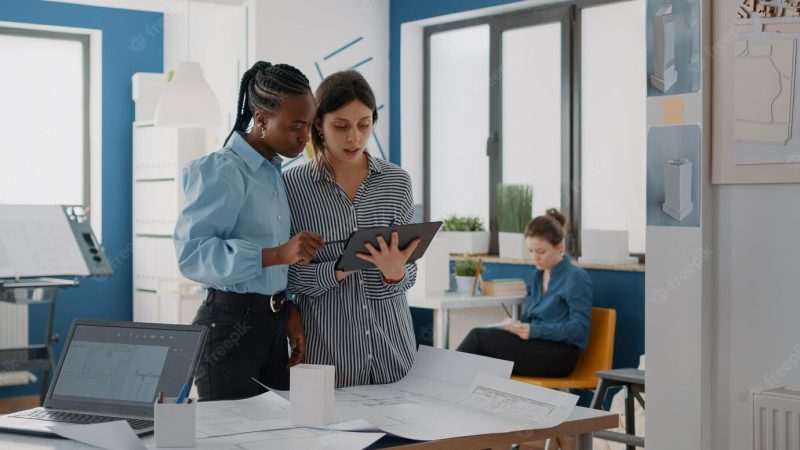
point(114, 371)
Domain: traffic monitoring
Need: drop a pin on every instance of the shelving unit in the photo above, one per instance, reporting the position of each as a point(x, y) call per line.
point(160, 293)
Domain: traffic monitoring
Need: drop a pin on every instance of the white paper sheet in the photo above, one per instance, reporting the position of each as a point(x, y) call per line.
point(267, 411)
point(446, 394)
point(491, 405)
point(37, 240)
point(290, 439)
point(500, 325)
point(116, 435)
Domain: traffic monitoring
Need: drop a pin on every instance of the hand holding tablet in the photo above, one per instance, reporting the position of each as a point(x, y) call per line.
point(369, 241)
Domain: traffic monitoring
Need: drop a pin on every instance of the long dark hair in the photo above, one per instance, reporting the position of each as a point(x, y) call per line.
point(263, 87)
point(336, 91)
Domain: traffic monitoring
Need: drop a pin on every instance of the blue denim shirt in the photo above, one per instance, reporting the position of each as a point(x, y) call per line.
point(564, 313)
point(236, 205)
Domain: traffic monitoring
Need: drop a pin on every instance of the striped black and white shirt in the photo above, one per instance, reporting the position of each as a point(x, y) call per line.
point(361, 325)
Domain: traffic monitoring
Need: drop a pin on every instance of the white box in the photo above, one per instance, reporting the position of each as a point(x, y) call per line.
point(608, 247)
point(311, 394)
point(175, 423)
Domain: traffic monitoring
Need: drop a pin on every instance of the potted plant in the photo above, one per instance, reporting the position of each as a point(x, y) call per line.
point(465, 234)
point(466, 271)
point(514, 211)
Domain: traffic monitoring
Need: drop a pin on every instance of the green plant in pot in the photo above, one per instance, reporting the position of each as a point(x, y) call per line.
point(466, 271)
point(465, 234)
point(514, 211)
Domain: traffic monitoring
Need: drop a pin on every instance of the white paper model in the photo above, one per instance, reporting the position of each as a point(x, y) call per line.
point(678, 188)
point(311, 394)
point(664, 75)
point(605, 247)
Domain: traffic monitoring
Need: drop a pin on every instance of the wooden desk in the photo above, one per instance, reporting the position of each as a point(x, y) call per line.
point(581, 424)
point(441, 304)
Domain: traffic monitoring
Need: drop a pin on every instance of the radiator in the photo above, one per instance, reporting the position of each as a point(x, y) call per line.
point(14, 333)
point(776, 420)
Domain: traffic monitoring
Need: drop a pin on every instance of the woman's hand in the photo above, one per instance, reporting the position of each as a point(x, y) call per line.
point(388, 258)
point(297, 336)
point(523, 330)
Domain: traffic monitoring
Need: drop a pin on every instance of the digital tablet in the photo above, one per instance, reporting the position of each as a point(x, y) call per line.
point(348, 261)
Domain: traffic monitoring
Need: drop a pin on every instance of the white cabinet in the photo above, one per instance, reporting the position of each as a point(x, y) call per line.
point(160, 293)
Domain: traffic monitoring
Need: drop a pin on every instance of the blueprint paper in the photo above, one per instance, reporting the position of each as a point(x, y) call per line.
point(290, 439)
point(116, 435)
point(36, 241)
point(492, 404)
point(446, 394)
point(263, 412)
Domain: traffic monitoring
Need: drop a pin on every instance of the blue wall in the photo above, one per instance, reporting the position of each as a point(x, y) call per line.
point(400, 12)
point(132, 41)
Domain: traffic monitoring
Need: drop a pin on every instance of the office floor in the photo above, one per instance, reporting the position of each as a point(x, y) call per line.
point(13, 404)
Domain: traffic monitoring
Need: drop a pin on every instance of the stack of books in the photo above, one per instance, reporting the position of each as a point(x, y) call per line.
point(505, 287)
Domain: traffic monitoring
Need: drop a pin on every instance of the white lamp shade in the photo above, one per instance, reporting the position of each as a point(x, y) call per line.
point(188, 101)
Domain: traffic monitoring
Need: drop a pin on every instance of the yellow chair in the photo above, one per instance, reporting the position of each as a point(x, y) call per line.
point(598, 355)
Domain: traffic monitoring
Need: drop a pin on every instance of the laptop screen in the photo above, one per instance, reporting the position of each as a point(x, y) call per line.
point(122, 368)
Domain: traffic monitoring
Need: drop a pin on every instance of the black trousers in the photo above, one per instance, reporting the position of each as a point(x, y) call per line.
point(533, 357)
point(244, 342)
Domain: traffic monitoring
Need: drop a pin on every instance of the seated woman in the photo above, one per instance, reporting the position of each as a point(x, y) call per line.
point(557, 311)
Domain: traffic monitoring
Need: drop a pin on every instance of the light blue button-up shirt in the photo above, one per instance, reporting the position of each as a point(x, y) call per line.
point(236, 205)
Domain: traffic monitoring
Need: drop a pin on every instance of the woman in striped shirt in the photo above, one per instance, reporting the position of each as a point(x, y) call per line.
point(357, 321)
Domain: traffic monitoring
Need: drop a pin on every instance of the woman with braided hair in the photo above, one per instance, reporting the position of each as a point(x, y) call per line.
point(232, 236)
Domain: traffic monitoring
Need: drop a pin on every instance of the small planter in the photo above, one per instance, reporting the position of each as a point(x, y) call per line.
point(512, 245)
point(464, 284)
point(472, 242)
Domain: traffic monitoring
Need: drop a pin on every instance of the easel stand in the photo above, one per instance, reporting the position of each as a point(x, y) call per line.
point(33, 291)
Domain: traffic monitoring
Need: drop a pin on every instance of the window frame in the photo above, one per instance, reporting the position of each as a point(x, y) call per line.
point(84, 40)
point(569, 15)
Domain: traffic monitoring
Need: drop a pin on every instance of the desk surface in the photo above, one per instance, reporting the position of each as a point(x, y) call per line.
point(582, 420)
point(457, 301)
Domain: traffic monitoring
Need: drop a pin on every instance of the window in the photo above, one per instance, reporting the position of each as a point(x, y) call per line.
point(613, 120)
point(553, 97)
point(44, 117)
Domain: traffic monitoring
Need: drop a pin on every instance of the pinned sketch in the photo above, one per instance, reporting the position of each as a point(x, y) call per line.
point(764, 107)
point(664, 74)
point(673, 47)
point(673, 176)
point(765, 66)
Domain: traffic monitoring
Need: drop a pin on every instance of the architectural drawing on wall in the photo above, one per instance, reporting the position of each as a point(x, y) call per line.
point(764, 90)
point(765, 66)
point(664, 74)
point(768, 9)
point(673, 47)
point(349, 55)
point(678, 188)
point(673, 176)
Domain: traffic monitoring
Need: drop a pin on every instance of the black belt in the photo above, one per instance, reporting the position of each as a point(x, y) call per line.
point(274, 302)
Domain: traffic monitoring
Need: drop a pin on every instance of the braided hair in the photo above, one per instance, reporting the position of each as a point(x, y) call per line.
point(263, 87)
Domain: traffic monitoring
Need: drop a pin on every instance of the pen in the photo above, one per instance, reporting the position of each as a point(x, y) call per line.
point(506, 310)
point(391, 224)
point(183, 393)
